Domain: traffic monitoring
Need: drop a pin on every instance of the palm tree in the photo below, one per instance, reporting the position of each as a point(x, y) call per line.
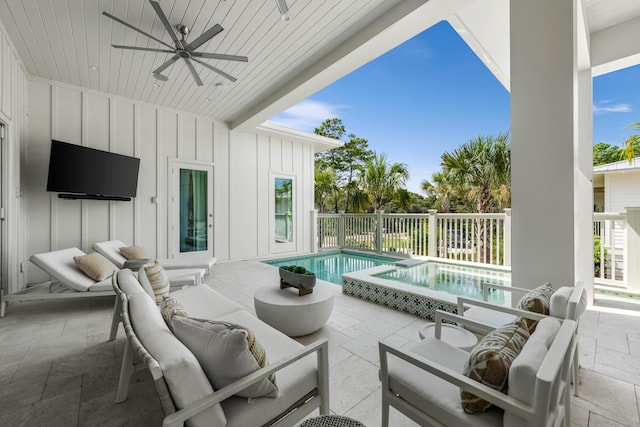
point(631, 145)
point(441, 188)
point(483, 166)
point(380, 179)
point(324, 186)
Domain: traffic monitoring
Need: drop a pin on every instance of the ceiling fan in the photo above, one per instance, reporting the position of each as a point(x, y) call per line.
point(182, 48)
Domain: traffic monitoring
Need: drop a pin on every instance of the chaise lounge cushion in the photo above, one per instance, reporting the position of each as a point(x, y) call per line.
point(59, 265)
point(294, 381)
point(185, 378)
point(226, 352)
point(432, 394)
point(202, 302)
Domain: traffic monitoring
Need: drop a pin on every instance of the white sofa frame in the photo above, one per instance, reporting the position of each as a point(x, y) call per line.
point(552, 379)
point(317, 399)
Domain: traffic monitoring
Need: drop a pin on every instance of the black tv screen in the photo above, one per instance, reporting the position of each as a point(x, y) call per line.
point(87, 171)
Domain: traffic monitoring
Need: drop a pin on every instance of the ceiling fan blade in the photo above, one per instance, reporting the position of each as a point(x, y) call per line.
point(165, 22)
point(194, 73)
point(214, 69)
point(282, 6)
point(136, 29)
point(146, 49)
point(219, 56)
point(204, 37)
point(166, 65)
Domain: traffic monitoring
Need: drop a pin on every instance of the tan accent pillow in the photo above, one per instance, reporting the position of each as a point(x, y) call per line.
point(133, 252)
point(170, 308)
point(157, 278)
point(537, 300)
point(95, 266)
point(226, 352)
point(490, 360)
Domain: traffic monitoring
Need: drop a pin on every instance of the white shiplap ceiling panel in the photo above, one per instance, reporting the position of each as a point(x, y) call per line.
point(61, 39)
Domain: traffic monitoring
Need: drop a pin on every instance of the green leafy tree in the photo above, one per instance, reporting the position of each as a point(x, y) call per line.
point(482, 166)
point(631, 145)
point(345, 162)
point(324, 187)
point(442, 188)
point(381, 179)
point(604, 153)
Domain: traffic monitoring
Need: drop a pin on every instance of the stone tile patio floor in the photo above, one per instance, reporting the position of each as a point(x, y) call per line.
point(57, 367)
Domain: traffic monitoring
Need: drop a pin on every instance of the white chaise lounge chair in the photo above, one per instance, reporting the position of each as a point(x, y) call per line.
point(111, 250)
point(70, 282)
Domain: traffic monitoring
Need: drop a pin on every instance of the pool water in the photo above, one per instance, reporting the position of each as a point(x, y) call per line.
point(459, 280)
point(332, 266)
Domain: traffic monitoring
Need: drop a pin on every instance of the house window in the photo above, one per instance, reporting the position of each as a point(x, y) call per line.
point(283, 210)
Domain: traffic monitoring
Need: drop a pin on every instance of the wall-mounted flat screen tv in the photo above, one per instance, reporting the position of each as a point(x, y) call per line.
point(88, 173)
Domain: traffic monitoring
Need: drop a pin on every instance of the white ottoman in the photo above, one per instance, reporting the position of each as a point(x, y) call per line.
point(291, 314)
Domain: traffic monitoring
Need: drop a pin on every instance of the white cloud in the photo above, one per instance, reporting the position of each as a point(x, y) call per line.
point(307, 115)
point(604, 107)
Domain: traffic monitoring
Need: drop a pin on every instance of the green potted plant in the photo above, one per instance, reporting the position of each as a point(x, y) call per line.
point(297, 277)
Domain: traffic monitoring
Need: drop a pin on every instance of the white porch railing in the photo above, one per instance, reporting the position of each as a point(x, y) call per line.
point(484, 238)
point(610, 242)
point(481, 238)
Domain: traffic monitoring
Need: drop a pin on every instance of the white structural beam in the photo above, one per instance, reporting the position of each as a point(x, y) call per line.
point(404, 20)
point(543, 137)
point(616, 47)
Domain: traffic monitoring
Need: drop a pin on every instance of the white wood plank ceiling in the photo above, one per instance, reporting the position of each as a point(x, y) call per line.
point(62, 39)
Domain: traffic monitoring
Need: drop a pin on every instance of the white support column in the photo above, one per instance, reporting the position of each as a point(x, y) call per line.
point(543, 135)
point(632, 250)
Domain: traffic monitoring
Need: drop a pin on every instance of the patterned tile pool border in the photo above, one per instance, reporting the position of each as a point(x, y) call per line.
point(416, 305)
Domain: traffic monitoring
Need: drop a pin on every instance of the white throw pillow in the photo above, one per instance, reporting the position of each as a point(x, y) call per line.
point(226, 352)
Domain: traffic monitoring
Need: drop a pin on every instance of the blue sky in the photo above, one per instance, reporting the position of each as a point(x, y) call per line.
point(432, 94)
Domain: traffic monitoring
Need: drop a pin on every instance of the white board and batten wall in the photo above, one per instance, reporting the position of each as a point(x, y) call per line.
point(13, 95)
point(243, 166)
point(621, 190)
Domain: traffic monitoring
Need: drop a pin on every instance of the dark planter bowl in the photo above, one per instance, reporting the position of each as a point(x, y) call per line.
point(303, 282)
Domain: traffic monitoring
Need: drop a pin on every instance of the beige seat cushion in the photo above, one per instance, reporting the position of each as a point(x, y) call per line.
point(202, 302)
point(294, 381)
point(95, 266)
point(432, 394)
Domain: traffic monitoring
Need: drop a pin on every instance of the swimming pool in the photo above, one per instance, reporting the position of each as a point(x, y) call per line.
point(331, 266)
point(460, 280)
point(424, 288)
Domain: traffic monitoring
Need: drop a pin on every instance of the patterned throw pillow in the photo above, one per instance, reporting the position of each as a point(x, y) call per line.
point(133, 252)
point(155, 275)
point(226, 352)
point(537, 300)
point(489, 362)
point(95, 266)
point(170, 308)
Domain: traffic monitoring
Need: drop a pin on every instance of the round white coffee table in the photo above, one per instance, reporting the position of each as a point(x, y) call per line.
point(454, 335)
point(292, 314)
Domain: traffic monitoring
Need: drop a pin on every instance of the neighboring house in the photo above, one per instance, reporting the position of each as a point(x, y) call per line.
point(616, 186)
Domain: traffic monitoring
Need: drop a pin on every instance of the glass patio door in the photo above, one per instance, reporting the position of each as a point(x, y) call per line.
point(192, 212)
